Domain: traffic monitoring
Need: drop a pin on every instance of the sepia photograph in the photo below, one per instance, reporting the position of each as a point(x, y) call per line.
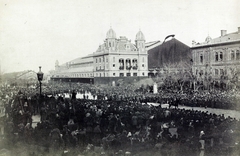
point(120, 78)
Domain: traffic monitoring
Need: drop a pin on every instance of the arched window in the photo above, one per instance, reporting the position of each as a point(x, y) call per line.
point(128, 64)
point(121, 64)
point(134, 64)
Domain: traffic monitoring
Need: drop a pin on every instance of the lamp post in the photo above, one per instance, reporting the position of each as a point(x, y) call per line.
point(70, 86)
point(40, 78)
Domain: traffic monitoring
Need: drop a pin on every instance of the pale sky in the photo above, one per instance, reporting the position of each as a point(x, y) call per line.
point(38, 32)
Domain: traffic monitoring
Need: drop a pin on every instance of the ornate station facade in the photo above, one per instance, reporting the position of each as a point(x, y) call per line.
point(116, 59)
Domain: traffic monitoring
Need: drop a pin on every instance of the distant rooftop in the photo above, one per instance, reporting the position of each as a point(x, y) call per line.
point(224, 38)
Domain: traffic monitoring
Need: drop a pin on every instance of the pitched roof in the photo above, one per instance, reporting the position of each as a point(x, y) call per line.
point(170, 52)
point(150, 45)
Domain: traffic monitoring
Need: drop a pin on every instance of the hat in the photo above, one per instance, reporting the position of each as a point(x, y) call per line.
point(88, 114)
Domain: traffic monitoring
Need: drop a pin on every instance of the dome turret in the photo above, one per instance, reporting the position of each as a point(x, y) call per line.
point(111, 34)
point(208, 39)
point(140, 36)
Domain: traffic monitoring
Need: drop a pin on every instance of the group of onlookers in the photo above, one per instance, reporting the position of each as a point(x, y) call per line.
point(116, 121)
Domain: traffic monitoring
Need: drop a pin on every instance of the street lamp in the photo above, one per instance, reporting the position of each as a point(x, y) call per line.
point(40, 78)
point(70, 84)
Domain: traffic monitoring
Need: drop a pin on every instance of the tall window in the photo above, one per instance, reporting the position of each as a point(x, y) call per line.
point(216, 56)
point(201, 58)
point(99, 59)
point(221, 72)
point(237, 55)
point(232, 55)
point(121, 64)
point(134, 64)
point(128, 64)
point(113, 59)
point(143, 59)
point(220, 56)
point(96, 60)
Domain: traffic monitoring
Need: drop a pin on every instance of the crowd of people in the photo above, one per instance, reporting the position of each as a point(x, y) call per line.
point(117, 121)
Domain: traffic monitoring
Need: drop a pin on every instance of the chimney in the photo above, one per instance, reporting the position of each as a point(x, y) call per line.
point(223, 32)
point(239, 30)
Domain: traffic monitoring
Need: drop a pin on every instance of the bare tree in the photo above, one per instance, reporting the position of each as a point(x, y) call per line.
point(178, 74)
point(233, 76)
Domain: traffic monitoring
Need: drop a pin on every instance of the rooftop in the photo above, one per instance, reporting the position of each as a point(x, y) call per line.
point(224, 38)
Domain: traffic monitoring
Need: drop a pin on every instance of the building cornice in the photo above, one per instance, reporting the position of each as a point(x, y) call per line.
point(215, 44)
